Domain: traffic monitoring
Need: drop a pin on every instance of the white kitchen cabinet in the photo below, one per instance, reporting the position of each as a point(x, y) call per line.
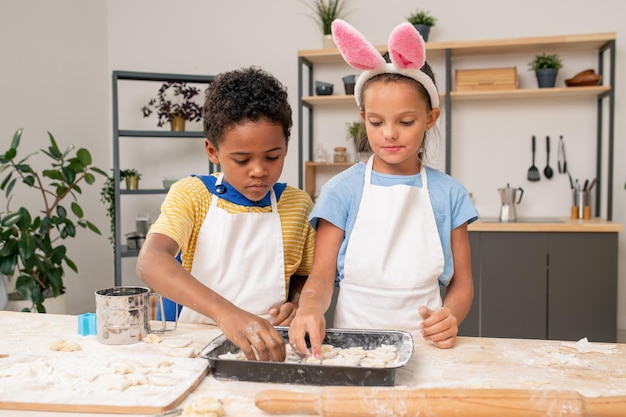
point(448, 55)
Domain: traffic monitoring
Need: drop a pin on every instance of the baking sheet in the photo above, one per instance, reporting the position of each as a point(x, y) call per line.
point(314, 374)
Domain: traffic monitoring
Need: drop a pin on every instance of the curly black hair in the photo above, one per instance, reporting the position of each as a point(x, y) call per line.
point(246, 94)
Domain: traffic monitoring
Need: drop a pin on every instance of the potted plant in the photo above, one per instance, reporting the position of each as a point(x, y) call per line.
point(546, 67)
point(356, 131)
point(30, 239)
point(324, 12)
point(174, 103)
point(423, 21)
point(131, 177)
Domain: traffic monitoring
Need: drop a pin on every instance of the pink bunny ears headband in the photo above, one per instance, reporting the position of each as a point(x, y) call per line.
point(407, 51)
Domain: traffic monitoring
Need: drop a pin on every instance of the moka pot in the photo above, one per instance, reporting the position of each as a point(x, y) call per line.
point(509, 198)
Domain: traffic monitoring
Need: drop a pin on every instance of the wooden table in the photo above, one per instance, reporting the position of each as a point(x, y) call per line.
point(473, 363)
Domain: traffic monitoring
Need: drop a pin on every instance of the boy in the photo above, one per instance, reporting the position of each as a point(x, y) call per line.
point(242, 235)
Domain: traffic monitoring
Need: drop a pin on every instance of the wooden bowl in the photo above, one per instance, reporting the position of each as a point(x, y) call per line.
point(584, 78)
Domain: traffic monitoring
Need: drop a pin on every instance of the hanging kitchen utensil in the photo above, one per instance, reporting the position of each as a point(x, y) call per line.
point(547, 170)
point(562, 162)
point(533, 172)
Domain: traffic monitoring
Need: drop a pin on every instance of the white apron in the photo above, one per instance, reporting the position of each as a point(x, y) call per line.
point(393, 259)
point(241, 257)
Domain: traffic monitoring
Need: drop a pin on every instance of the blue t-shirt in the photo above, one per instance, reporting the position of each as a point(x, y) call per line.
point(339, 200)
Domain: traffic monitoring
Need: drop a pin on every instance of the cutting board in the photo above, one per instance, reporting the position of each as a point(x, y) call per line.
point(140, 378)
point(102, 408)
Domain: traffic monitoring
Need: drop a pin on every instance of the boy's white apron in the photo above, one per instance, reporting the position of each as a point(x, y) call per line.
point(393, 259)
point(241, 257)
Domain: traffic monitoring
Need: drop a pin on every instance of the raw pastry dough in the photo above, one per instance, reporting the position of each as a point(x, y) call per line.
point(204, 407)
point(63, 346)
point(381, 357)
point(152, 338)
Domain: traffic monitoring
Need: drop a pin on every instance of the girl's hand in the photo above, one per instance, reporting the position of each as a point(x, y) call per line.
point(282, 315)
point(249, 331)
point(440, 327)
point(313, 323)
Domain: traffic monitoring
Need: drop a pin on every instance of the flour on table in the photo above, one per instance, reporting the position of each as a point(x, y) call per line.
point(584, 346)
point(177, 343)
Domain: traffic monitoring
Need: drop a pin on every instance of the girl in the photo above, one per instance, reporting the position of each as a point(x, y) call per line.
point(391, 231)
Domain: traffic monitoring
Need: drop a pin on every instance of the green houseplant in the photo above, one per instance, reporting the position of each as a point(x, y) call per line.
point(174, 103)
point(131, 177)
point(30, 240)
point(324, 12)
point(546, 67)
point(356, 131)
point(423, 21)
point(107, 195)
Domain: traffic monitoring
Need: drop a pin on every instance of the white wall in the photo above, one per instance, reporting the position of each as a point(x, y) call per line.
point(45, 48)
point(54, 77)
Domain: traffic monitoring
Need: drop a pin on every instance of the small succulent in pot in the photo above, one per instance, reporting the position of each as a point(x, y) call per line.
point(423, 21)
point(546, 61)
point(421, 17)
point(325, 11)
point(180, 103)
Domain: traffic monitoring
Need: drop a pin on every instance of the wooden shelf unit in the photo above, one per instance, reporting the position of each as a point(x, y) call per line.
point(603, 43)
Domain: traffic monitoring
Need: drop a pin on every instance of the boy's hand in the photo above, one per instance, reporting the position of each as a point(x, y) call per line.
point(249, 331)
point(283, 314)
point(439, 327)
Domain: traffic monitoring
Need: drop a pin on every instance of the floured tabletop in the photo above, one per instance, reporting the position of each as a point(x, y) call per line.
point(158, 373)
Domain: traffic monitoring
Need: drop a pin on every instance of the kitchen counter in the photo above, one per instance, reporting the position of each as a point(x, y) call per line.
point(596, 224)
point(592, 369)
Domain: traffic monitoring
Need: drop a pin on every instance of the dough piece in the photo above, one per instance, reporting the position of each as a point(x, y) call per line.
point(313, 360)
point(237, 356)
point(204, 407)
point(188, 352)
point(152, 339)
point(60, 345)
point(123, 368)
point(177, 343)
point(3, 355)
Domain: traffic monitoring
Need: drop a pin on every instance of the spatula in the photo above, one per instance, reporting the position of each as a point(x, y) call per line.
point(533, 171)
point(547, 171)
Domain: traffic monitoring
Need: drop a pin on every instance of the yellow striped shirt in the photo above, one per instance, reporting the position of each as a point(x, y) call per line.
point(185, 207)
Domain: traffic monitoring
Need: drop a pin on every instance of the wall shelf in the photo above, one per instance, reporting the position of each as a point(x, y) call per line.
point(601, 43)
point(120, 250)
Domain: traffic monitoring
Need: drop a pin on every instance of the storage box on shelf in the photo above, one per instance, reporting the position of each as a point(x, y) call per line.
point(443, 52)
point(488, 79)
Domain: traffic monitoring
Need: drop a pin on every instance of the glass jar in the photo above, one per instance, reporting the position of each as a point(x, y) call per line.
point(340, 154)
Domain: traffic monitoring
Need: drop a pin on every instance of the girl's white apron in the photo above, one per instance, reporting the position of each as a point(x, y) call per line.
point(241, 257)
point(393, 259)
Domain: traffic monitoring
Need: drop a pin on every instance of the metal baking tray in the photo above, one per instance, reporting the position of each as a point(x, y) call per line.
point(314, 374)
